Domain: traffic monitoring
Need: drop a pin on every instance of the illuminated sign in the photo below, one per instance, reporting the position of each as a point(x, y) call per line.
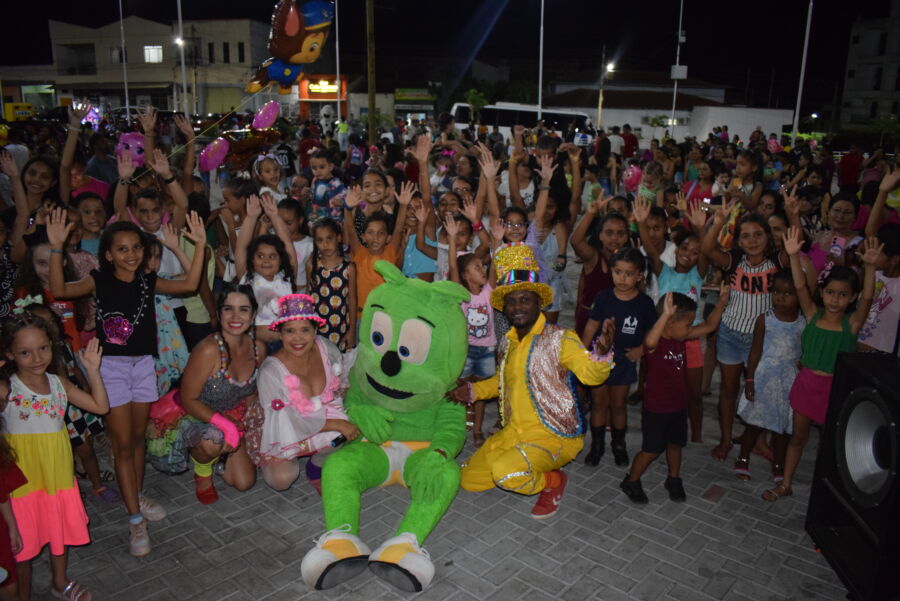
point(323, 86)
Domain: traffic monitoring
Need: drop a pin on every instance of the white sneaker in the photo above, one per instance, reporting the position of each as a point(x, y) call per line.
point(337, 557)
point(152, 510)
point(402, 562)
point(139, 542)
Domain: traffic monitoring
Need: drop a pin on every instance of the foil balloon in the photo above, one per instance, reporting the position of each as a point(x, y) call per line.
point(632, 178)
point(246, 144)
point(266, 115)
point(134, 142)
point(296, 39)
point(214, 154)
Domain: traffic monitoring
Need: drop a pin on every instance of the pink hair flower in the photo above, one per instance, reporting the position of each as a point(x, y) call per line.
point(277, 404)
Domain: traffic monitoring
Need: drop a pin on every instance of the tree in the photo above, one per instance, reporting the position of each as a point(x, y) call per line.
point(476, 100)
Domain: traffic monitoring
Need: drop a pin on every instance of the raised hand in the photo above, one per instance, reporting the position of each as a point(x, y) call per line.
point(354, 196)
point(869, 251)
point(195, 230)
point(407, 189)
point(890, 180)
point(57, 228)
point(269, 206)
point(77, 112)
point(147, 119)
point(8, 165)
point(421, 213)
point(696, 215)
point(724, 292)
point(423, 148)
point(92, 355)
point(793, 240)
point(681, 201)
point(125, 164)
point(547, 168)
point(184, 126)
point(723, 212)
point(160, 164)
point(489, 167)
point(254, 209)
point(170, 236)
point(668, 305)
point(498, 229)
point(574, 153)
point(641, 210)
point(451, 225)
point(470, 210)
point(792, 203)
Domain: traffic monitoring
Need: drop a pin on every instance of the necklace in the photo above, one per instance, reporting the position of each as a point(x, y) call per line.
point(117, 328)
point(223, 364)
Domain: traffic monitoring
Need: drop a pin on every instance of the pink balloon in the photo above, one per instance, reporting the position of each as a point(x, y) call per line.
point(266, 115)
point(214, 154)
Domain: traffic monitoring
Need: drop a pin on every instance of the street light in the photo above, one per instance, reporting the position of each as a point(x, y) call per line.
point(815, 115)
point(610, 67)
point(179, 42)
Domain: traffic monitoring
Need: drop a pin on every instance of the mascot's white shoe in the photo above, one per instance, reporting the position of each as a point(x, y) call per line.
point(402, 562)
point(337, 557)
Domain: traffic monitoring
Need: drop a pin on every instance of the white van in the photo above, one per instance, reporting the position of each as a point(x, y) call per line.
point(507, 114)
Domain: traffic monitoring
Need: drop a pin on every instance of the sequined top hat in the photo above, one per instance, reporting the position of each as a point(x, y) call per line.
point(517, 269)
point(295, 307)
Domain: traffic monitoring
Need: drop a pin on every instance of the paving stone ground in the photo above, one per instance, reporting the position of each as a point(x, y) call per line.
point(723, 544)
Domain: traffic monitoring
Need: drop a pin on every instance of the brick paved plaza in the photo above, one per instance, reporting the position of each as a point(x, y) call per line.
point(723, 544)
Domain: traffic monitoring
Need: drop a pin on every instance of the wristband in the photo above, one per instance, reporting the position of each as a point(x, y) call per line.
point(123, 181)
point(748, 379)
point(169, 180)
point(543, 187)
point(232, 436)
point(477, 226)
point(56, 251)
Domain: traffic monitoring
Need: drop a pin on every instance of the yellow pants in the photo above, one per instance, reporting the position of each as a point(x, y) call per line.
point(517, 461)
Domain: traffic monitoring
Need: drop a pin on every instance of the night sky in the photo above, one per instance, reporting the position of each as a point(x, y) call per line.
point(724, 39)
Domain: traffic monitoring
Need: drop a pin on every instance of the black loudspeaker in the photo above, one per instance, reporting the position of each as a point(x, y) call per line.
point(854, 505)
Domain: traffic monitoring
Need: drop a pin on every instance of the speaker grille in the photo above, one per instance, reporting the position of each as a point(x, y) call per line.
point(866, 446)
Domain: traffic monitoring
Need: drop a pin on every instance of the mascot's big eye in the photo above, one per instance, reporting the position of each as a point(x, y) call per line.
point(382, 332)
point(414, 342)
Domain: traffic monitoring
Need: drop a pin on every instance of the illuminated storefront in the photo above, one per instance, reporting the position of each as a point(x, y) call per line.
point(316, 90)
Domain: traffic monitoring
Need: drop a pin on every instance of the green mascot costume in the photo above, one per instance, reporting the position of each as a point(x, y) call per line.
point(412, 348)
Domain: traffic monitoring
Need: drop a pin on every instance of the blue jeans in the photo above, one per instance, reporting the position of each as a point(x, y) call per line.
point(480, 362)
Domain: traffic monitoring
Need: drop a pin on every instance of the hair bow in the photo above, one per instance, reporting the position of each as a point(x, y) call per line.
point(23, 303)
point(260, 158)
point(448, 152)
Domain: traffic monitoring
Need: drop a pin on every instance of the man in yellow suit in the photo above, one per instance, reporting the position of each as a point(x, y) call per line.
point(543, 428)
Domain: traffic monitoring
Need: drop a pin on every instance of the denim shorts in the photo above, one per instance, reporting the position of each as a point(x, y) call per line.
point(732, 347)
point(480, 362)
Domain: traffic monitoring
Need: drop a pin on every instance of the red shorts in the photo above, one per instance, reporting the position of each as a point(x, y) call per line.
point(810, 393)
point(693, 354)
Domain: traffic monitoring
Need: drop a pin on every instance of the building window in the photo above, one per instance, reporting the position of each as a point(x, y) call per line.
point(76, 59)
point(226, 52)
point(851, 73)
point(153, 54)
point(882, 43)
point(241, 52)
point(211, 50)
point(116, 55)
point(876, 80)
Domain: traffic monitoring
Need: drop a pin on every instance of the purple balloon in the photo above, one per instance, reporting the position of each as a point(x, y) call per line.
point(214, 154)
point(266, 115)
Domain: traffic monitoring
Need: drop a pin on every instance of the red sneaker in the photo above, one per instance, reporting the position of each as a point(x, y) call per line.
point(548, 501)
point(206, 496)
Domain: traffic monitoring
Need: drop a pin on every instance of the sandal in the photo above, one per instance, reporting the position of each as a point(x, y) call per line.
point(777, 473)
point(742, 469)
point(720, 451)
point(73, 592)
point(108, 494)
point(773, 494)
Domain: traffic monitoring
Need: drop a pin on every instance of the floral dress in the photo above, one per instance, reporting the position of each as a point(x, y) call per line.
point(173, 354)
point(330, 291)
point(774, 376)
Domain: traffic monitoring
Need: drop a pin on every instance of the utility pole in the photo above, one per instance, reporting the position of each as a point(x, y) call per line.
point(541, 67)
point(600, 97)
point(676, 69)
point(337, 59)
point(802, 74)
point(370, 49)
point(124, 59)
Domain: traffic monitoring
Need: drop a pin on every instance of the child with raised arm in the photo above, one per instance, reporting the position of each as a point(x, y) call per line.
point(376, 243)
point(829, 330)
point(664, 418)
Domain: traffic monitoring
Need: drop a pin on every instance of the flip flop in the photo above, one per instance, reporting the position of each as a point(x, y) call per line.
point(773, 494)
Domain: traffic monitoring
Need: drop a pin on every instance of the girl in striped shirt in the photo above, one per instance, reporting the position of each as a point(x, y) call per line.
point(750, 270)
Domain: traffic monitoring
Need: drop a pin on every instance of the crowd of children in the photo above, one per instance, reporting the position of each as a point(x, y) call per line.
point(216, 335)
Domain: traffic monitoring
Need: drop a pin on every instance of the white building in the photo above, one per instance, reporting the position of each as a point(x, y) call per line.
point(872, 78)
point(220, 56)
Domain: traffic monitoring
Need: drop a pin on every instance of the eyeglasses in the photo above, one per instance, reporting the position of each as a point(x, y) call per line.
point(514, 225)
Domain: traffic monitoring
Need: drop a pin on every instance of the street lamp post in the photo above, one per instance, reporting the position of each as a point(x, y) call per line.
point(605, 69)
point(180, 42)
point(541, 67)
point(123, 58)
point(802, 73)
point(676, 69)
point(337, 58)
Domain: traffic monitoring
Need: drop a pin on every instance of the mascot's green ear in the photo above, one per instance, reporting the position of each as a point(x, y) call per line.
point(390, 272)
point(451, 291)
